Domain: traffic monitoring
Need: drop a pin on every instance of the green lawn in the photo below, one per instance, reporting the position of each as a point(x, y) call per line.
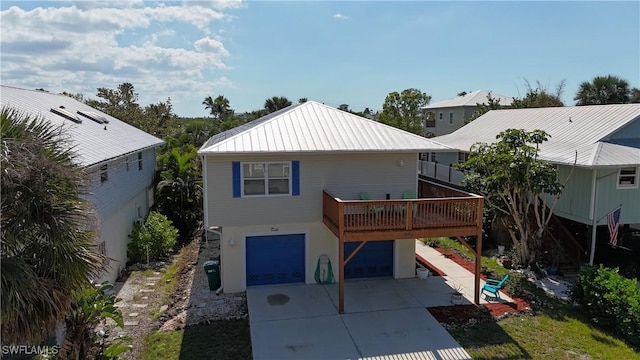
point(219, 340)
point(557, 330)
point(556, 335)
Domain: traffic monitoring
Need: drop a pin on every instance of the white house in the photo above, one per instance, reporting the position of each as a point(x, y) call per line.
point(603, 141)
point(284, 188)
point(447, 116)
point(119, 158)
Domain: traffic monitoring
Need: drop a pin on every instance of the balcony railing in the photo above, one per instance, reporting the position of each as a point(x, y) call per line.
point(441, 172)
point(450, 216)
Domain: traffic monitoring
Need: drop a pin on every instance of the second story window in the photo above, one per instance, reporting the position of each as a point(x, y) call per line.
point(139, 161)
point(440, 116)
point(463, 156)
point(271, 178)
point(628, 178)
point(451, 118)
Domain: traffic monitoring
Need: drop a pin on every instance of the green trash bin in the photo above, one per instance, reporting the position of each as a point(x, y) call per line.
point(212, 269)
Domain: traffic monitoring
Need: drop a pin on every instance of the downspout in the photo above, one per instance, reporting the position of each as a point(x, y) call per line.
point(205, 205)
point(594, 220)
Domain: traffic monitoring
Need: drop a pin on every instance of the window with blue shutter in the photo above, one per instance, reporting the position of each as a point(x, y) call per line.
point(236, 179)
point(266, 178)
point(295, 178)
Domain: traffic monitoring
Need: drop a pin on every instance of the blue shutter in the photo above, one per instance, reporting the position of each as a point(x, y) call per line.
point(236, 179)
point(295, 178)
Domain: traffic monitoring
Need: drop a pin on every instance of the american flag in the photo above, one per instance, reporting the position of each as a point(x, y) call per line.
point(613, 222)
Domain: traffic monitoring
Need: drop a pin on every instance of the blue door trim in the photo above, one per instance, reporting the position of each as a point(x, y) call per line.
point(275, 259)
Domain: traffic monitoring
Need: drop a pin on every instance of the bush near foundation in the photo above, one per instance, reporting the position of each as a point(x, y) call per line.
point(155, 235)
point(610, 301)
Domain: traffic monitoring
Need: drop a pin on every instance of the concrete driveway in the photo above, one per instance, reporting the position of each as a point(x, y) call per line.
point(384, 319)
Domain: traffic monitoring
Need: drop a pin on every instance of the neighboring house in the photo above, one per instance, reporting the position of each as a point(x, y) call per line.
point(119, 160)
point(287, 188)
point(447, 116)
point(602, 140)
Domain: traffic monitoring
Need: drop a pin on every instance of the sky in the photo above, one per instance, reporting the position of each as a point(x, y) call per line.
point(334, 52)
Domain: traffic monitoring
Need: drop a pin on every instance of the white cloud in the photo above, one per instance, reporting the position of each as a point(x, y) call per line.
point(340, 16)
point(81, 47)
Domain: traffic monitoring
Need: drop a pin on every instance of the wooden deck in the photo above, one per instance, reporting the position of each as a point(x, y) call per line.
point(441, 211)
point(359, 220)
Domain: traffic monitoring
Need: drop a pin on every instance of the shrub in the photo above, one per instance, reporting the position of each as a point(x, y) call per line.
point(88, 329)
point(156, 235)
point(611, 301)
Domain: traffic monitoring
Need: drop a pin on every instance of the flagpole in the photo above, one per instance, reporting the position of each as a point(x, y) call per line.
point(595, 226)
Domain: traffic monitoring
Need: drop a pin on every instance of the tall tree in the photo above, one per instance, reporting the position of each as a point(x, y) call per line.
point(635, 96)
point(121, 103)
point(514, 182)
point(47, 228)
point(540, 96)
point(179, 189)
point(404, 110)
point(483, 108)
point(276, 103)
point(302, 100)
point(160, 118)
point(603, 90)
point(218, 108)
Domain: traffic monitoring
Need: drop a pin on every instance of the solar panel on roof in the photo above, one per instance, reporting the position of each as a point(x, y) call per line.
point(93, 116)
point(66, 114)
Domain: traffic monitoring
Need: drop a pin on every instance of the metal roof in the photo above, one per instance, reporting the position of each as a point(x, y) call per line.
point(315, 127)
point(92, 143)
point(471, 99)
point(584, 130)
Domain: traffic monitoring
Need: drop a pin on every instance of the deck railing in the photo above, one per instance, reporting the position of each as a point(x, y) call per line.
point(400, 215)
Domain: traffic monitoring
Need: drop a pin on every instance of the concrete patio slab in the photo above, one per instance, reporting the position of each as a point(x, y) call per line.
point(433, 291)
point(288, 301)
point(373, 295)
point(402, 334)
point(323, 337)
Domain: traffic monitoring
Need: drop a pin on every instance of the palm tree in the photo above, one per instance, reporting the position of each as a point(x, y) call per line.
point(276, 103)
point(179, 191)
point(47, 228)
point(603, 90)
point(218, 107)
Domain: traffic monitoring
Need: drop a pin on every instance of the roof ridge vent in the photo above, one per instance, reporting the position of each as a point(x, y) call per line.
point(93, 116)
point(66, 114)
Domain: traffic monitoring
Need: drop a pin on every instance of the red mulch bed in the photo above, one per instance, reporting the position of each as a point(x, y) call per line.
point(432, 269)
point(461, 314)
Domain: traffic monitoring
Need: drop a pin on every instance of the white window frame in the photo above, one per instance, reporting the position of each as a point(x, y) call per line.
point(622, 179)
point(463, 157)
point(433, 157)
point(266, 178)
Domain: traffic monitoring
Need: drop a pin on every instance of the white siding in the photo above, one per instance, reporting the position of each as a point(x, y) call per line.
point(114, 232)
point(122, 185)
point(344, 175)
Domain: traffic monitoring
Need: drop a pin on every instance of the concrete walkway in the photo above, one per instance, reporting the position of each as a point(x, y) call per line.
point(457, 276)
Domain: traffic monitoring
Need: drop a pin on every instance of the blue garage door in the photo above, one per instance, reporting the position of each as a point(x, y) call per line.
point(275, 259)
point(374, 259)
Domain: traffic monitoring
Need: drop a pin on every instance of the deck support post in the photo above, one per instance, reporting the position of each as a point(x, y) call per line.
point(341, 258)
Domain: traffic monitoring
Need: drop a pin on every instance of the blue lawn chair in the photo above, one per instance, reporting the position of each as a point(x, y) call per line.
point(493, 286)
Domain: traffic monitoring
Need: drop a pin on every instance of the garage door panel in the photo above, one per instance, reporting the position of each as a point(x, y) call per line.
point(275, 259)
point(373, 260)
